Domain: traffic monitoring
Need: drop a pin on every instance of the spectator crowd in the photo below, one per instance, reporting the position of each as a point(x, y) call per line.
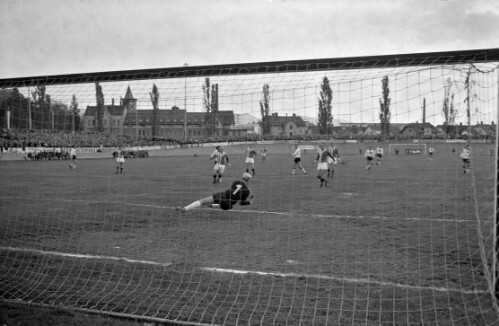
point(22, 138)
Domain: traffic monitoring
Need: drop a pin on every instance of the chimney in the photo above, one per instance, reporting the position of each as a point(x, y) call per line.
point(112, 101)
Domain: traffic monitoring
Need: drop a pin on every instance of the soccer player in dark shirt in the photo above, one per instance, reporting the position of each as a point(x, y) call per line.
point(238, 192)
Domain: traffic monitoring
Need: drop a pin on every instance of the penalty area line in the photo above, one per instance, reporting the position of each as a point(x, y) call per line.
point(374, 217)
point(249, 211)
point(84, 256)
point(346, 280)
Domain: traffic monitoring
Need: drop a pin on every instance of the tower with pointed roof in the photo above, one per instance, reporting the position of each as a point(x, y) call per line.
point(128, 102)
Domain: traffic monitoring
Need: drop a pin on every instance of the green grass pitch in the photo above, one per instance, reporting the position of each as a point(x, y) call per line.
point(397, 244)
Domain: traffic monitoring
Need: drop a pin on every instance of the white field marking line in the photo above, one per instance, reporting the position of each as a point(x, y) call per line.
point(241, 272)
point(347, 280)
point(82, 256)
point(374, 217)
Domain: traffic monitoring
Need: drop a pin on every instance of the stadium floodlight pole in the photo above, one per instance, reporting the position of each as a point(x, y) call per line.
point(29, 110)
point(185, 106)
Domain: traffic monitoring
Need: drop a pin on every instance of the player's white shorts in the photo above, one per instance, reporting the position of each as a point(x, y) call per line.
point(322, 166)
point(250, 160)
point(120, 160)
point(330, 160)
point(219, 167)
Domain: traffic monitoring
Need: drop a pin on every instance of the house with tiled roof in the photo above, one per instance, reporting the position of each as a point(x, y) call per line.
point(113, 117)
point(419, 130)
point(287, 125)
point(486, 130)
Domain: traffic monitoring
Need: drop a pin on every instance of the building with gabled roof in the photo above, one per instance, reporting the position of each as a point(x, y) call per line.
point(418, 130)
point(287, 125)
point(113, 117)
point(172, 124)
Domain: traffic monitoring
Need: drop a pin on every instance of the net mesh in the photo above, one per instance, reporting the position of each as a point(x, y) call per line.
point(408, 241)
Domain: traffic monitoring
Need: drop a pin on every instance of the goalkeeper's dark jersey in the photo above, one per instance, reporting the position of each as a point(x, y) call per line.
point(238, 192)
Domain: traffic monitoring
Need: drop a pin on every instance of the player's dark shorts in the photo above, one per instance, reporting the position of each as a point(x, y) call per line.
point(466, 160)
point(74, 157)
point(369, 158)
point(431, 153)
point(379, 155)
point(297, 160)
point(223, 199)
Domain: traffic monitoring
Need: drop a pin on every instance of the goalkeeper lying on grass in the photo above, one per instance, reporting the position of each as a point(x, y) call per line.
point(238, 192)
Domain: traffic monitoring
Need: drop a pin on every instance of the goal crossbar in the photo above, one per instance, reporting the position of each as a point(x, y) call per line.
point(361, 62)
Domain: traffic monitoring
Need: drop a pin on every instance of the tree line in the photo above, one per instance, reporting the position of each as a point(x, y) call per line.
point(38, 111)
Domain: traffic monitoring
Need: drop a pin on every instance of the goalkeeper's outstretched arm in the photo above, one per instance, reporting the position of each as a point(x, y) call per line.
point(248, 201)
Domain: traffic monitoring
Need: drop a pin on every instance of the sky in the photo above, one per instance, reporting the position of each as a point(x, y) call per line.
point(52, 37)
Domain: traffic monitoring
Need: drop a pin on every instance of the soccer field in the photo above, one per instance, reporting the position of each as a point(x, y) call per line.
point(398, 244)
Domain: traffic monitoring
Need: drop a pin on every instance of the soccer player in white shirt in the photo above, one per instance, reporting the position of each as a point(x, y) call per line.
point(297, 160)
point(379, 155)
point(322, 165)
point(431, 150)
point(250, 160)
point(369, 155)
point(72, 155)
point(264, 151)
point(120, 159)
point(466, 156)
point(220, 158)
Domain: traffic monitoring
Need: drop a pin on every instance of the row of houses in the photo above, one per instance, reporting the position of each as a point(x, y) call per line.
point(125, 119)
point(416, 130)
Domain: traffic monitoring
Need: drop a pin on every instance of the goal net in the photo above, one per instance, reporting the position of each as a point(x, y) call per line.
point(409, 240)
